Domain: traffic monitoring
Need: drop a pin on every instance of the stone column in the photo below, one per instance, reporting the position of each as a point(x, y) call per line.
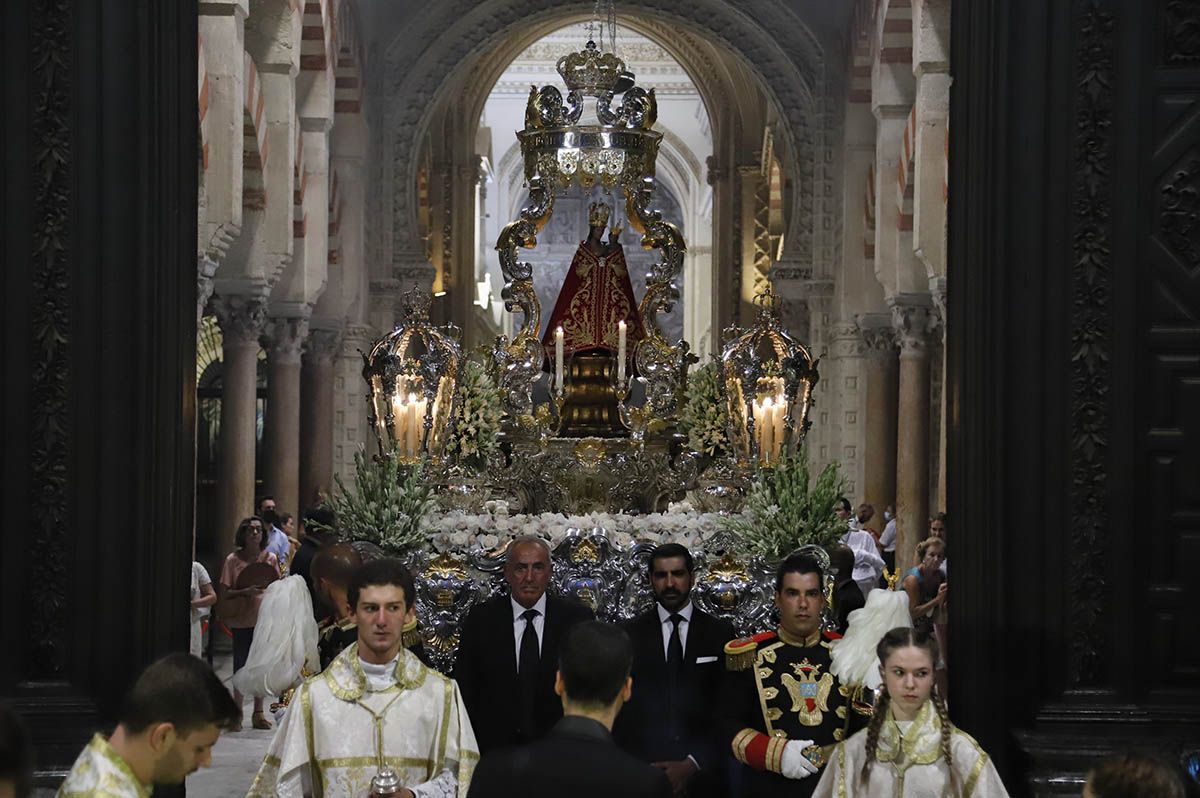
point(846, 356)
point(350, 429)
point(879, 455)
point(912, 316)
point(241, 319)
point(283, 338)
point(939, 304)
point(316, 416)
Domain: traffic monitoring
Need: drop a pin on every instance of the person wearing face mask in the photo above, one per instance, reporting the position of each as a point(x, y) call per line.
point(910, 747)
point(677, 649)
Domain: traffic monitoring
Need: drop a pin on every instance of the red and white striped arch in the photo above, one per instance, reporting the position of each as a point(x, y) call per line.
point(254, 136)
point(904, 174)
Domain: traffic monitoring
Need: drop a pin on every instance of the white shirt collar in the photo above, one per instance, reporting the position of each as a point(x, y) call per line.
point(664, 615)
point(517, 609)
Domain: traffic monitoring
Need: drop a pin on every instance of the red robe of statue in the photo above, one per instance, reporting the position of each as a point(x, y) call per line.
point(594, 297)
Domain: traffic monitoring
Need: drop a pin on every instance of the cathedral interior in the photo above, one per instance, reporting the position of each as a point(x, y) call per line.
point(966, 232)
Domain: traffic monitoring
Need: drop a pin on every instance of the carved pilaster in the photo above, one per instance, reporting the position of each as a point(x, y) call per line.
point(879, 340)
point(845, 340)
point(242, 319)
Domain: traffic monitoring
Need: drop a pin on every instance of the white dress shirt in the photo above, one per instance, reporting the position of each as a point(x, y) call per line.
point(664, 617)
point(888, 538)
point(539, 625)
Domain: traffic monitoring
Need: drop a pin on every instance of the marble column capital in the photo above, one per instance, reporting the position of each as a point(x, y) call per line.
point(283, 338)
point(241, 318)
point(878, 335)
point(914, 321)
point(356, 337)
point(322, 345)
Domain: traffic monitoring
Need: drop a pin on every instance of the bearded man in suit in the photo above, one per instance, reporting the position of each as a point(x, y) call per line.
point(508, 651)
point(677, 673)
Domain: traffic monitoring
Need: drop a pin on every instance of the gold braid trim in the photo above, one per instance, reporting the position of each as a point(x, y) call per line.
point(980, 763)
point(740, 741)
point(775, 748)
point(410, 635)
point(739, 654)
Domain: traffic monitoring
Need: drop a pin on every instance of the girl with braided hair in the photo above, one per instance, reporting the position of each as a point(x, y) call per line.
point(910, 748)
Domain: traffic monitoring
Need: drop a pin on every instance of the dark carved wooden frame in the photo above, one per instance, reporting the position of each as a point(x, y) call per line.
point(97, 337)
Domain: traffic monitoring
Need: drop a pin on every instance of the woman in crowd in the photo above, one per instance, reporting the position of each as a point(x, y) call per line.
point(240, 604)
point(910, 748)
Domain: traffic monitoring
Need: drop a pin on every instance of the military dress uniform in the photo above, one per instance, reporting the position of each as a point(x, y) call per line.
point(777, 689)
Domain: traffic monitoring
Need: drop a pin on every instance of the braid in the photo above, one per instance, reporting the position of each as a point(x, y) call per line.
point(947, 735)
point(878, 716)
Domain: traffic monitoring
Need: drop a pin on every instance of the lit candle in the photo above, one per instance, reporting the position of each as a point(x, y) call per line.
point(780, 414)
point(412, 438)
point(399, 419)
point(768, 433)
point(621, 352)
point(558, 359)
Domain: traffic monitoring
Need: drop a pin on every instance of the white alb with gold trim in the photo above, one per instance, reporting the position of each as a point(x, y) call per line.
point(330, 743)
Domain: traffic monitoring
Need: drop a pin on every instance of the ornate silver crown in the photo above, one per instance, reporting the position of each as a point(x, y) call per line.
point(590, 71)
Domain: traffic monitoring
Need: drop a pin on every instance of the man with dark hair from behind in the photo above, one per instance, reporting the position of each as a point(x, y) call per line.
point(316, 532)
point(578, 757)
point(1134, 775)
point(847, 595)
point(167, 726)
point(16, 756)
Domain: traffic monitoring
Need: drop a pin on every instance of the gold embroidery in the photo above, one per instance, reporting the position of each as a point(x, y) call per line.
point(841, 712)
point(741, 741)
point(306, 707)
point(980, 763)
point(810, 694)
point(770, 693)
point(774, 714)
point(839, 734)
point(760, 674)
point(447, 705)
point(768, 655)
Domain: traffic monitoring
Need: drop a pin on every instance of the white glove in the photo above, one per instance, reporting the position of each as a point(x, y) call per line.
point(794, 764)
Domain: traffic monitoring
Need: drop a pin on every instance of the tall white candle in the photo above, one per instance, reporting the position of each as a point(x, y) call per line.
point(780, 414)
point(621, 352)
point(768, 425)
point(399, 420)
point(412, 439)
point(558, 359)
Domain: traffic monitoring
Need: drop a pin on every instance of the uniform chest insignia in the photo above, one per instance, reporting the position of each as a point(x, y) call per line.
point(809, 692)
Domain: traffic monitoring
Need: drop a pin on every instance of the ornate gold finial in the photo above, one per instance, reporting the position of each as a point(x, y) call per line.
point(598, 213)
point(591, 72)
point(767, 300)
point(414, 304)
point(891, 578)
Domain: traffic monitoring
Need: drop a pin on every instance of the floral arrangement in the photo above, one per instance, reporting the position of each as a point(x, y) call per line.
point(785, 509)
point(461, 532)
point(386, 506)
point(476, 421)
point(704, 418)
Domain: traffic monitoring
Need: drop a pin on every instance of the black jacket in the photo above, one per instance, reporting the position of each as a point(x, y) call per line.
point(486, 669)
point(577, 758)
point(665, 722)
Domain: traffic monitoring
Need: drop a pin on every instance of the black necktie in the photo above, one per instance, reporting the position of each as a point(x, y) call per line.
point(675, 646)
point(528, 661)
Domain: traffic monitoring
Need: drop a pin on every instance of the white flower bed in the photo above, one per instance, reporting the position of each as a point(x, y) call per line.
point(459, 531)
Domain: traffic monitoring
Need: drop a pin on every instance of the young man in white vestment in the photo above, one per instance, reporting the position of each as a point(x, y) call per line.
point(376, 705)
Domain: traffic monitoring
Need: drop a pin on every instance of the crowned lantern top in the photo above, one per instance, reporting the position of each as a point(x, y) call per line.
point(590, 71)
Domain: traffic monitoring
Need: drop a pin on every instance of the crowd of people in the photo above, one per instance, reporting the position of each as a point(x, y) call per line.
point(544, 700)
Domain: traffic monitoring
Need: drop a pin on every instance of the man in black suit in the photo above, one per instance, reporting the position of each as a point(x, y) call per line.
point(508, 652)
point(677, 673)
point(578, 757)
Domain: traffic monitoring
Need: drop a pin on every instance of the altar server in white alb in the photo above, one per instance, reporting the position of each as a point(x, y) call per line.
point(375, 707)
point(910, 748)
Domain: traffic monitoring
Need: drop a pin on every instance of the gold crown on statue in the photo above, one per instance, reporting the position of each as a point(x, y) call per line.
point(598, 213)
point(589, 71)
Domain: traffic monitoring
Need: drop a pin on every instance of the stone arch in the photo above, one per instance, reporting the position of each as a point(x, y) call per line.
point(777, 47)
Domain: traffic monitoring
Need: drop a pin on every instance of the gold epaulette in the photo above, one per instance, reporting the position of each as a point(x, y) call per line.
point(739, 654)
point(410, 635)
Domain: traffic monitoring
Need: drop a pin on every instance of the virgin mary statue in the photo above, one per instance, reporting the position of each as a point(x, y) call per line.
point(596, 294)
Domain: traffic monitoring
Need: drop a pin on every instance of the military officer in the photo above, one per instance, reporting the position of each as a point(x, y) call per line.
point(782, 711)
